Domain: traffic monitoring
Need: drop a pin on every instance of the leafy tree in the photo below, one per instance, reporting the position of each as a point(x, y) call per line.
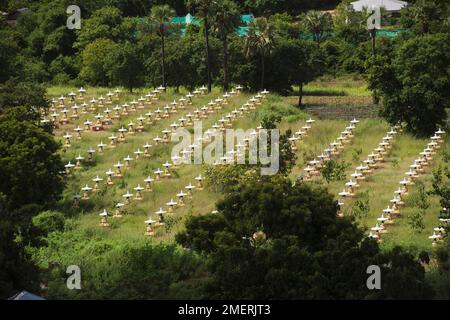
point(441, 187)
point(260, 41)
point(310, 66)
point(414, 84)
point(16, 269)
point(15, 93)
point(361, 207)
point(124, 66)
point(334, 170)
point(8, 49)
point(104, 23)
point(226, 19)
point(161, 15)
point(95, 67)
point(29, 160)
point(300, 248)
point(424, 16)
point(415, 220)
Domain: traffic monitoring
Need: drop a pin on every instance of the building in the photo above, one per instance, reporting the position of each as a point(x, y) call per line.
point(189, 19)
point(388, 5)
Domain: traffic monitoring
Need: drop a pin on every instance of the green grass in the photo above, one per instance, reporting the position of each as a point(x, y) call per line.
point(336, 89)
point(334, 93)
point(367, 136)
point(132, 225)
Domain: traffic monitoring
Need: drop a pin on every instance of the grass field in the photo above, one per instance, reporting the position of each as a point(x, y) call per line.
point(368, 134)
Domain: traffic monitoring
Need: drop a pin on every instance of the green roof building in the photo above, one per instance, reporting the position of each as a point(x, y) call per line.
point(190, 19)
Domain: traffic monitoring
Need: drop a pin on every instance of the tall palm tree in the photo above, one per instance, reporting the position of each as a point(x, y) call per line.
point(161, 15)
point(226, 19)
point(260, 41)
point(204, 9)
point(318, 23)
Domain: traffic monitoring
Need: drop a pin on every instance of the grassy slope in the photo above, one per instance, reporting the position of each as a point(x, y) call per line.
point(367, 135)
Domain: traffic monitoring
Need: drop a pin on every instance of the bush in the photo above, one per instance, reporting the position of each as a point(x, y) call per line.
point(49, 221)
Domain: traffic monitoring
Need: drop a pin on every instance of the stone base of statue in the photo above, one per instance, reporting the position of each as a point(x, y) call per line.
point(104, 222)
point(149, 232)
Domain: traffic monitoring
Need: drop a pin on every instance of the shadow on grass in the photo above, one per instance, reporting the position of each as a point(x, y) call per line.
point(324, 93)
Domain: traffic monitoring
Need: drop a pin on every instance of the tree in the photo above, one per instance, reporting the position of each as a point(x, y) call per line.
point(95, 68)
point(28, 161)
point(275, 240)
point(318, 23)
point(205, 11)
point(309, 67)
point(226, 20)
point(414, 84)
point(334, 170)
point(16, 269)
point(161, 15)
point(425, 16)
point(124, 66)
point(260, 41)
point(104, 23)
point(14, 93)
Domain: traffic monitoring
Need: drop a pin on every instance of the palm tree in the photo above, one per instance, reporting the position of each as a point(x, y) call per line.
point(260, 40)
point(318, 23)
point(226, 19)
point(161, 15)
point(204, 10)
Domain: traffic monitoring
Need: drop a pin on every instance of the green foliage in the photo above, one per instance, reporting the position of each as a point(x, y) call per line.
point(115, 269)
point(361, 207)
point(224, 179)
point(260, 42)
point(356, 154)
point(334, 170)
point(441, 186)
point(303, 249)
point(105, 23)
point(415, 220)
point(426, 16)
point(226, 19)
point(318, 23)
point(49, 221)
point(95, 69)
point(124, 67)
point(28, 161)
point(414, 84)
point(31, 95)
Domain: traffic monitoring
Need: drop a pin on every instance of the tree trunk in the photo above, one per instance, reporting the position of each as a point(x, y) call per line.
point(225, 64)
point(373, 33)
point(163, 58)
point(300, 95)
point(262, 71)
point(208, 62)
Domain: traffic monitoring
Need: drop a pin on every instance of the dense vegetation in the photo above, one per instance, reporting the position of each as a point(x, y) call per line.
point(291, 235)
